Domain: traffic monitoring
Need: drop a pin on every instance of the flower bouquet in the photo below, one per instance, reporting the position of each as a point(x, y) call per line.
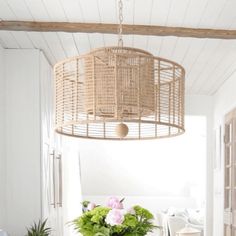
point(113, 220)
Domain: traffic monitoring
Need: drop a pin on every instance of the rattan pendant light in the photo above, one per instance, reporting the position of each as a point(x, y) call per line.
point(119, 93)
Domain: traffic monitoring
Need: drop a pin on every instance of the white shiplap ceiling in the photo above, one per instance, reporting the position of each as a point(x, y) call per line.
point(208, 62)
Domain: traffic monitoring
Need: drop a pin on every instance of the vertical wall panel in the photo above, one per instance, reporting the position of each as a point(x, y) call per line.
point(2, 140)
point(22, 140)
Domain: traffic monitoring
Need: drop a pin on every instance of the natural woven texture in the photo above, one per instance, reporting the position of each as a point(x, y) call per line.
point(109, 86)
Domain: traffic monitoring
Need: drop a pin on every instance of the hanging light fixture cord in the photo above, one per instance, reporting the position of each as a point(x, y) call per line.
point(120, 29)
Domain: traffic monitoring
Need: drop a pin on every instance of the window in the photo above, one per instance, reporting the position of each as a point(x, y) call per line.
point(174, 167)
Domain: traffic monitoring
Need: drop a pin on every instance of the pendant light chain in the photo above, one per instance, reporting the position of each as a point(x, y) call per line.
point(120, 29)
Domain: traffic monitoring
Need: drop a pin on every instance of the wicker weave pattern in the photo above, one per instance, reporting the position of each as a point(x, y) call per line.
point(108, 86)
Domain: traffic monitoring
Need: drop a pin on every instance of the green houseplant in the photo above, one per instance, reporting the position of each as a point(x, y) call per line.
point(39, 229)
point(114, 220)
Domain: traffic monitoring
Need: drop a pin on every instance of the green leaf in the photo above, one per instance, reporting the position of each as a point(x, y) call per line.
point(39, 229)
point(92, 223)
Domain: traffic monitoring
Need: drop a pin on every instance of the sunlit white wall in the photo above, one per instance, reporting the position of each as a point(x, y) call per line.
point(172, 167)
point(141, 167)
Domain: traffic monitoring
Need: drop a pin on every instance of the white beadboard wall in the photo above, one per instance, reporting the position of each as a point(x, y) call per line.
point(23, 200)
point(224, 101)
point(2, 140)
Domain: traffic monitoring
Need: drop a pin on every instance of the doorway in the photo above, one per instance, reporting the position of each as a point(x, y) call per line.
point(230, 174)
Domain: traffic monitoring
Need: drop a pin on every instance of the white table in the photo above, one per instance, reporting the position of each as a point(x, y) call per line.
point(3, 233)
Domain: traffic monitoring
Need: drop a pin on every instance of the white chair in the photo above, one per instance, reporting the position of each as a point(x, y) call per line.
point(3, 233)
point(157, 222)
point(176, 223)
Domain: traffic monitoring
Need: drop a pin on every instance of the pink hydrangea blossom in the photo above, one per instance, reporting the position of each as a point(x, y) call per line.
point(114, 203)
point(91, 206)
point(115, 217)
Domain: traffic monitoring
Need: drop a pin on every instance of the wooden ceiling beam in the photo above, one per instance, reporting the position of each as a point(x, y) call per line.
point(112, 29)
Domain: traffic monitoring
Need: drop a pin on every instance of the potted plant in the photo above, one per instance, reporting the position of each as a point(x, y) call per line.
point(39, 229)
point(114, 220)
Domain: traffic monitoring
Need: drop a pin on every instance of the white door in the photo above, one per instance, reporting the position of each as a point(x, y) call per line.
point(50, 146)
point(230, 175)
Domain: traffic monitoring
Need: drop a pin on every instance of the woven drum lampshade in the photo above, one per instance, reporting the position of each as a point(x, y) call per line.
point(119, 93)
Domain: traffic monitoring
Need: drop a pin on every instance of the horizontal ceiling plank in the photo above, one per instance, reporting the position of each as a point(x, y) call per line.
point(112, 29)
